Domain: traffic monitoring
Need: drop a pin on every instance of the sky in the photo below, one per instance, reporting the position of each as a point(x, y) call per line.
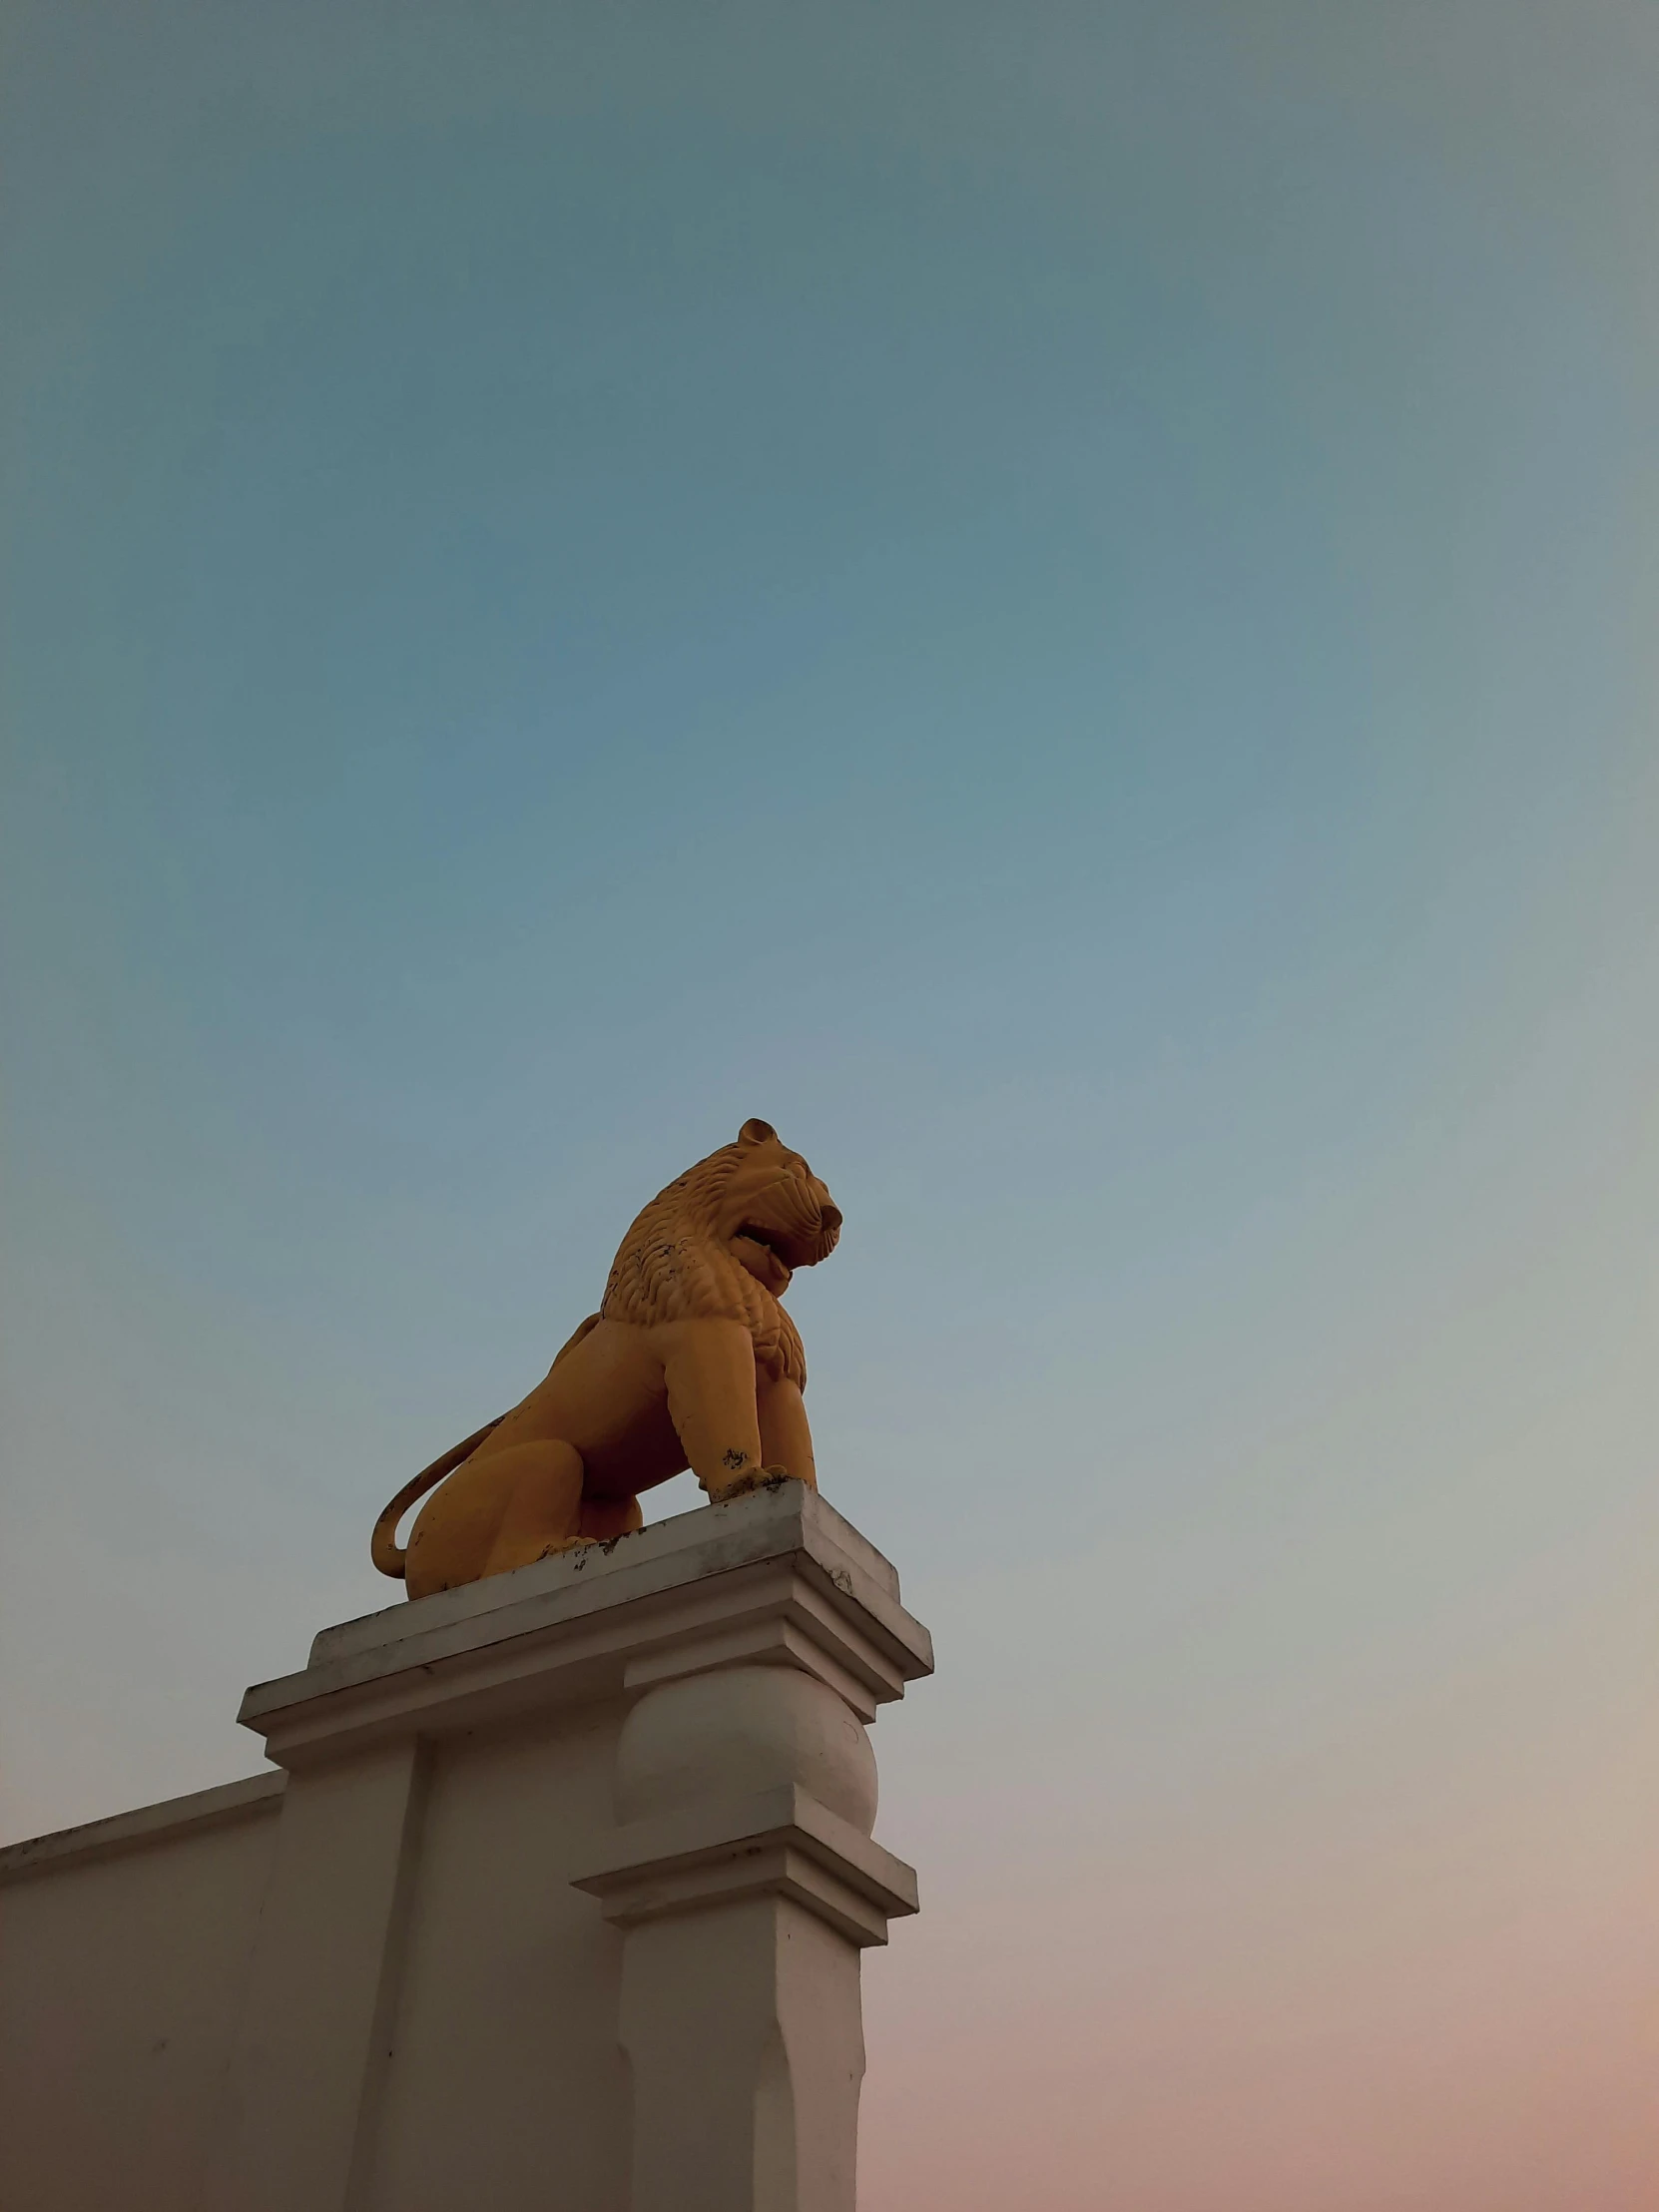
point(1060, 601)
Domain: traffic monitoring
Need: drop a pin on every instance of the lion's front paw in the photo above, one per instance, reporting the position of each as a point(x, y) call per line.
point(757, 1478)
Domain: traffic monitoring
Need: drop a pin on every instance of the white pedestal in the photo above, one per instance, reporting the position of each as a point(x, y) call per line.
point(427, 2022)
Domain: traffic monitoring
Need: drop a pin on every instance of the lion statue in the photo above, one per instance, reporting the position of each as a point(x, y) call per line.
point(690, 1361)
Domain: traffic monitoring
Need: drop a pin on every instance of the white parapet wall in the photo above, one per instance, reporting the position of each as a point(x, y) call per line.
point(555, 1897)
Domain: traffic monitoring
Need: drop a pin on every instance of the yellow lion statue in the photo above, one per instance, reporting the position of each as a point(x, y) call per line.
point(690, 1361)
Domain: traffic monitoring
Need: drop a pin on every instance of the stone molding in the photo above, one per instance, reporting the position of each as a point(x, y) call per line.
point(782, 1842)
point(776, 1578)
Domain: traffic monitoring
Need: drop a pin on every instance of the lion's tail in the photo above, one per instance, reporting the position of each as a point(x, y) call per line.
point(383, 1547)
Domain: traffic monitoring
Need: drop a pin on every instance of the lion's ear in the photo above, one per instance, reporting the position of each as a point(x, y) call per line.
point(756, 1132)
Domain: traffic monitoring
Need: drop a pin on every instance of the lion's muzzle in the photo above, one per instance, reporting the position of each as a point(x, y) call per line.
point(794, 1222)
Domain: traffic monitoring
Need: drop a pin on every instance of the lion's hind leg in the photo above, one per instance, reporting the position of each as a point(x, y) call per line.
point(500, 1510)
point(604, 1519)
point(541, 1511)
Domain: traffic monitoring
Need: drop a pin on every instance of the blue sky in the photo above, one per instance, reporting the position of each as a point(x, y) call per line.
point(1059, 601)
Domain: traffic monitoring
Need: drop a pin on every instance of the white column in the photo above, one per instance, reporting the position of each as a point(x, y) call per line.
point(745, 2032)
point(744, 1875)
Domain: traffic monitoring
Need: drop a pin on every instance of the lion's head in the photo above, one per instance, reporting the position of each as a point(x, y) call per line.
point(773, 1214)
point(724, 1240)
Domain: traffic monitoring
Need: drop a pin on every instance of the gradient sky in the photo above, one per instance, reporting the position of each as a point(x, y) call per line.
point(1063, 601)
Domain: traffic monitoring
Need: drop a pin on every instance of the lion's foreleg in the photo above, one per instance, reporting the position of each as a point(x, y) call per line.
point(786, 1439)
point(708, 1366)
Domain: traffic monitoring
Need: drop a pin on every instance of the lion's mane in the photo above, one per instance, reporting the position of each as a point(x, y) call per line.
point(671, 1266)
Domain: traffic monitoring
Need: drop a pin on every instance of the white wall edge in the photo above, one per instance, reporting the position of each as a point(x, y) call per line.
point(149, 1824)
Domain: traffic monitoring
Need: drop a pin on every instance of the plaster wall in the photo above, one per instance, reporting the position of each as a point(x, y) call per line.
point(507, 2086)
point(124, 1964)
point(123, 1961)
